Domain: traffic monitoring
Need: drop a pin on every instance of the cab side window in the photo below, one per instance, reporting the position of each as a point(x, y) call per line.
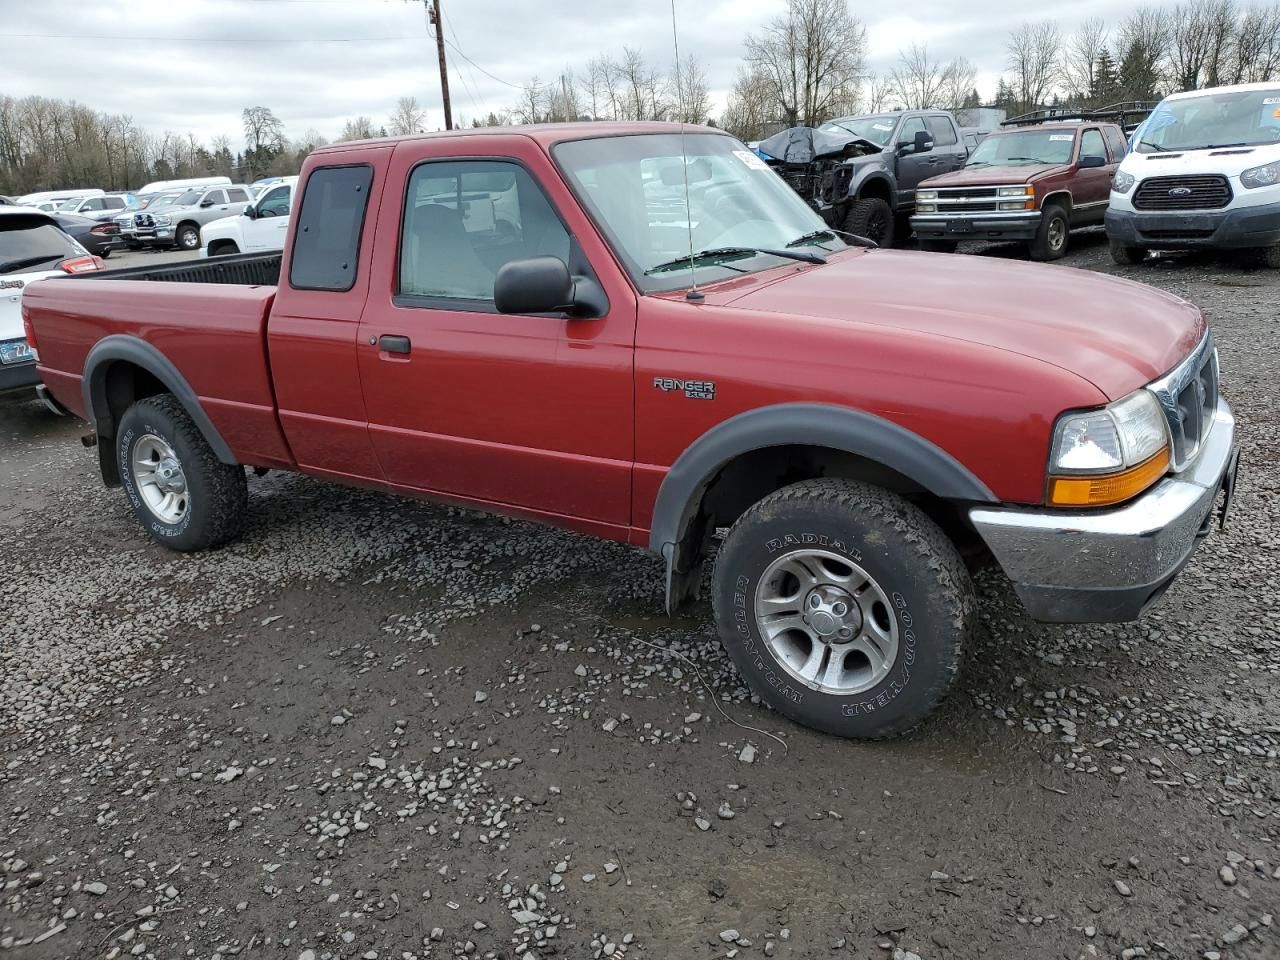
point(326, 242)
point(1115, 140)
point(238, 195)
point(215, 196)
point(463, 220)
point(944, 134)
point(909, 130)
point(275, 203)
point(1091, 145)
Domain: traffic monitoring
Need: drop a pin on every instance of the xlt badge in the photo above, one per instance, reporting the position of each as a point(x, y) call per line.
point(693, 389)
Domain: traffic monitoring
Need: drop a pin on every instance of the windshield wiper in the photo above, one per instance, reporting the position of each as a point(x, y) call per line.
point(1155, 147)
point(831, 234)
point(1029, 159)
point(716, 253)
point(978, 163)
point(10, 265)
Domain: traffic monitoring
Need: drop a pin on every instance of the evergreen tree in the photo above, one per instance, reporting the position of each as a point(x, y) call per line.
point(972, 101)
point(1105, 81)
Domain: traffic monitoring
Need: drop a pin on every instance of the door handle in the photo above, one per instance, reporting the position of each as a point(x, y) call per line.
point(394, 344)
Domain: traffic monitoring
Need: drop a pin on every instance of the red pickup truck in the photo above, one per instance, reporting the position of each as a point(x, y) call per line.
point(533, 321)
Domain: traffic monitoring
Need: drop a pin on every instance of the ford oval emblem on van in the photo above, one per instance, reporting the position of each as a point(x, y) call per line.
point(1180, 192)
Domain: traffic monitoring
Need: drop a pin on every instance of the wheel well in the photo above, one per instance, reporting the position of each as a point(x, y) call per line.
point(218, 245)
point(187, 223)
point(752, 476)
point(124, 384)
point(1062, 198)
point(875, 189)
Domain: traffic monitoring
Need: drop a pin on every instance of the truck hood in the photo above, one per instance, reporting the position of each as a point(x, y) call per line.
point(1230, 162)
point(1115, 334)
point(990, 176)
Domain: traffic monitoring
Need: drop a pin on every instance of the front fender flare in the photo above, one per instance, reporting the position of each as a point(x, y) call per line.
point(795, 424)
point(132, 350)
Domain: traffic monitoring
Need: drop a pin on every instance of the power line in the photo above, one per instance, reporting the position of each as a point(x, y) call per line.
point(454, 48)
point(87, 36)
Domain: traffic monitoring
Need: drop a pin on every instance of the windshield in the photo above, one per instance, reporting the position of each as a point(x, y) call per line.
point(69, 203)
point(28, 243)
point(634, 189)
point(876, 129)
point(188, 199)
point(168, 200)
point(1241, 119)
point(1023, 147)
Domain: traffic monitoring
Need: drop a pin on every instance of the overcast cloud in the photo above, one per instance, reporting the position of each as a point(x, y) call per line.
point(184, 65)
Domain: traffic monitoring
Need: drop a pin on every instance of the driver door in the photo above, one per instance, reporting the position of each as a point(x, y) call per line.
point(913, 167)
point(267, 230)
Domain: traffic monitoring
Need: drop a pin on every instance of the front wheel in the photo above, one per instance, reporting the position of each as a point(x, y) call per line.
point(844, 606)
point(1051, 238)
point(871, 218)
point(184, 495)
point(1127, 256)
point(187, 237)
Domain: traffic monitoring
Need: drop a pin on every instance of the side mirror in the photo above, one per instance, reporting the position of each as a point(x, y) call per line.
point(206, 203)
point(1087, 163)
point(544, 285)
point(251, 212)
point(923, 142)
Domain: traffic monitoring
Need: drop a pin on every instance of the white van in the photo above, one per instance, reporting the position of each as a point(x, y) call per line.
point(1203, 171)
point(192, 183)
point(57, 197)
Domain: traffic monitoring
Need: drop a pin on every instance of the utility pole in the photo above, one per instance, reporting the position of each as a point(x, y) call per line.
point(433, 11)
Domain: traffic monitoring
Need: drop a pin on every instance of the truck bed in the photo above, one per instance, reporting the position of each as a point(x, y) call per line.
point(246, 269)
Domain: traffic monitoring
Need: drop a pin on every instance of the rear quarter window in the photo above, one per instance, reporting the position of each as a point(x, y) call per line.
point(326, 239)
point(30, 243)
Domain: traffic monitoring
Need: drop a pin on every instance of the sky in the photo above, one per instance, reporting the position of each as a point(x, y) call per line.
point(192, 65)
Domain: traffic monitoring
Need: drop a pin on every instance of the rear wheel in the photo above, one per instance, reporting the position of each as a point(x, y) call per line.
point(871, 218)
point(184, 495)
point(1127, 256)
point(939, 246)
point(105, 253)
point(1051, 238)
point(844, 606)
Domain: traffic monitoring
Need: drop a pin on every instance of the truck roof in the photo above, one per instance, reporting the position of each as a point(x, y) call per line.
point(545, 134)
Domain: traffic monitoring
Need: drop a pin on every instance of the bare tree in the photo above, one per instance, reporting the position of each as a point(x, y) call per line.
point(750, 106)
point(958, 78)
point(357, 128)
point(691, 93)
point(879, 93)
point(917, 80)
point(562, 99)
point(533, 102)
point(813, 57)
point(1080, 59)
point(1255, 50)
point(408, 117)
point(594, 87)
point(1033, 60)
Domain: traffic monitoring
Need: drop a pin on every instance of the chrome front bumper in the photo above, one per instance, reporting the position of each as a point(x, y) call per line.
point(1107, 566)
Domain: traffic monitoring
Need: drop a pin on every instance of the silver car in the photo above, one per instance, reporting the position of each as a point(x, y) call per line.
point(179, 223)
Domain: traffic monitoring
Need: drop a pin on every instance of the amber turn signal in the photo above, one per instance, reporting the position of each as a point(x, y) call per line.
point(1102, 491)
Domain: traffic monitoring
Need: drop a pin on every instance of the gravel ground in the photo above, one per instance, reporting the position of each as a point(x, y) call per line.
point(375, 728)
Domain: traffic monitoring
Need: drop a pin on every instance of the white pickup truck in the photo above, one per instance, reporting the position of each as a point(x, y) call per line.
point(261, 227)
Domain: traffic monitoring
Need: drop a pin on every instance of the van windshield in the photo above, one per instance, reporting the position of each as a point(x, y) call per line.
point(1244, 118)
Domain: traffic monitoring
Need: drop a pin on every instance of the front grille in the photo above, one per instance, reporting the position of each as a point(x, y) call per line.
point(1189, 397)
point(1210, 192)
point(966, 193)
point(144, 220)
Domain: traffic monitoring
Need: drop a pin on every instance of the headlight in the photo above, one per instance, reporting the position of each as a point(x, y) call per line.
point(1123, 182)
point(926, 194)
point(1267, 175)
point(1106, 456)
point(1027, 191)
point(162, 221)
point(926, 208)
point(1028, 204)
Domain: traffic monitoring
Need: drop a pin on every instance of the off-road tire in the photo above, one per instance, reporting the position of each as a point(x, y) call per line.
point(908, 556)
point(1127, 256)
point(871, 218)
point(1053, 236)
point(187, 237)
point(939, 246)
point(218, 491)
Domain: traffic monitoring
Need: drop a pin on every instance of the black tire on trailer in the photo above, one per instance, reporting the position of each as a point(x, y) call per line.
point(184, 495)
point(871, 218)
point(844, 606)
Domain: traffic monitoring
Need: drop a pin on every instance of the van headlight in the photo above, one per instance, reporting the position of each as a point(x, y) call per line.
point(1267, 175)
point(1107, 456)
point(1123, 182)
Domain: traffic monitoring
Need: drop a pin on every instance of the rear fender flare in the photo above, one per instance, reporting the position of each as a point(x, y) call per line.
point(794, 424)
point(139, 353)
